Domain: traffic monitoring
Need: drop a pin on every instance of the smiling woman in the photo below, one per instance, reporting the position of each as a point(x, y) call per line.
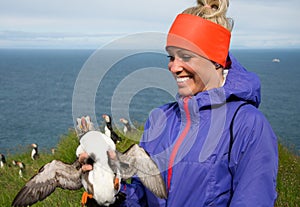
point(192, 72)
point(206, 50)
point(213, 146)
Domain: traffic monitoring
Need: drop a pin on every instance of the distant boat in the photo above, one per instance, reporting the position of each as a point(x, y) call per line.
point(276, 60)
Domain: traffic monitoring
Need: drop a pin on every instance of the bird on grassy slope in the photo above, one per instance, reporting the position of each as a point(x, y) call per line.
point(127, 126)
point(83, 125)
point(2, 160)
point(21, 167)
point(108, 130)
point(109, 167)
point(34, 151)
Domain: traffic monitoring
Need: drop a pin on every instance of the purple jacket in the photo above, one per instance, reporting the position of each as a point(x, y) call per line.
point(190, 140)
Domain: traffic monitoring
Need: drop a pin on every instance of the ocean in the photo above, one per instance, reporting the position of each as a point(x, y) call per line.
point(42, 91)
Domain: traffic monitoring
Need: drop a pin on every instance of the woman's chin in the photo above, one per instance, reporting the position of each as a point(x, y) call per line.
point(185, 92)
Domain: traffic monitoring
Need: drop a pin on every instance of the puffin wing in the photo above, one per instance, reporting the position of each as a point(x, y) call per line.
point(135, 161)
point(50, 176)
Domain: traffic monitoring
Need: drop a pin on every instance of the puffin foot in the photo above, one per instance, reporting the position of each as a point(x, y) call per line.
point(85, 197)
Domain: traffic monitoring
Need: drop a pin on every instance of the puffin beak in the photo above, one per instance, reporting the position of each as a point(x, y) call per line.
point(84, 125)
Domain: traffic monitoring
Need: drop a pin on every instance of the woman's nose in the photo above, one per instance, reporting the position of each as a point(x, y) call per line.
point(175, 66)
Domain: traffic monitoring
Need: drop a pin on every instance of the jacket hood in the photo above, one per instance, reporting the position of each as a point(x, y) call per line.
point(240, 85)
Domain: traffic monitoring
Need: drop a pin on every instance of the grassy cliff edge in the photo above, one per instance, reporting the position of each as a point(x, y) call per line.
point(288, 180)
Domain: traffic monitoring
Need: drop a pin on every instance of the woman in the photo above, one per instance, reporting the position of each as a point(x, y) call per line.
point(213, 146)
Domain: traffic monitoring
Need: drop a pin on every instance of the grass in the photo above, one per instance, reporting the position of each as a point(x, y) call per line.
point(11, 182)
point(288, 181)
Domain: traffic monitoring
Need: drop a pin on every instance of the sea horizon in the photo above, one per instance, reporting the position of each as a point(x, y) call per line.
point(38, 89)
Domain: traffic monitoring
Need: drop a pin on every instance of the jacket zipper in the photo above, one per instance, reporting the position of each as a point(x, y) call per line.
point(179, 141)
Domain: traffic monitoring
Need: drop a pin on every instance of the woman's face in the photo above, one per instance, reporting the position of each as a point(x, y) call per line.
point(192, 72)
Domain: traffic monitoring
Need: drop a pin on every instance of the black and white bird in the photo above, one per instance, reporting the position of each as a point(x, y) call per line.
point(34, 151)
point(83, 125)
point(2, 160)
point(108, 130)
point(109, 167)
point(127, 127)
point(21, 167)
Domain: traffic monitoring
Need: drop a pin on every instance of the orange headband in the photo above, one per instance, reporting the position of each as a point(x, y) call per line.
point(201, 36)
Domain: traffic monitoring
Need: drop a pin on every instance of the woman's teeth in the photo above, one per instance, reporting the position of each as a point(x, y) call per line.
point(182, 79)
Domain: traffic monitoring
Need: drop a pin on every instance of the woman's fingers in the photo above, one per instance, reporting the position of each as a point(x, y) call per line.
point(83, 156)
point(86, 167)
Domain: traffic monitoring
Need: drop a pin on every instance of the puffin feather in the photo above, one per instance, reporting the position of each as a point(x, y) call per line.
point(136, 161)
point(50, 176)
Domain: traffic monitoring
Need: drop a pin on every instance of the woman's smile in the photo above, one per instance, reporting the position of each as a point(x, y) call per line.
point(182, 79)
point(192, 72)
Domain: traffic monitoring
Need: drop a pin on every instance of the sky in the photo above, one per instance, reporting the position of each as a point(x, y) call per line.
point(94, 23)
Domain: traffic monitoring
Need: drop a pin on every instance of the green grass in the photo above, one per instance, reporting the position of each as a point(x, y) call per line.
point(11, 183)
point(288, 181)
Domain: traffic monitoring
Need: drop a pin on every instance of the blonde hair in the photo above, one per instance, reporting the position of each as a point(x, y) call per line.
point(213, 10)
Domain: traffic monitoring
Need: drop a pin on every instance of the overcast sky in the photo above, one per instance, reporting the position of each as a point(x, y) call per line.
point(92, 23)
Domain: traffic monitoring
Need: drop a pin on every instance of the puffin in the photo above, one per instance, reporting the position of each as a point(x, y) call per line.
point(21, 167)
point(83, 125)
point(34, 151)
point(127, 126)
point(2, 160)
point(109, 168)
point(108, 130)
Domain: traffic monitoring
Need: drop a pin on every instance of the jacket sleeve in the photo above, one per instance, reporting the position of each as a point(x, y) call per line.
point(254, 160)
point(135, 194)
